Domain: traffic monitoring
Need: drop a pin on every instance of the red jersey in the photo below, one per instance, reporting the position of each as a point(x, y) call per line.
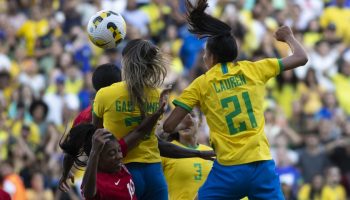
point(118, 185)
point(84, 116)
point(4, 195)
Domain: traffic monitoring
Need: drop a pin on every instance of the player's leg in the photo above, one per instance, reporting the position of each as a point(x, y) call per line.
point(265, 182)
point(156, 187)
point(136, 171)
point(225, 183)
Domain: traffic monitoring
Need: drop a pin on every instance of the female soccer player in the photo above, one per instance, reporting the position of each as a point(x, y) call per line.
point(120, 107)
point(231, 95)
point(105, 176)
point(185, 176)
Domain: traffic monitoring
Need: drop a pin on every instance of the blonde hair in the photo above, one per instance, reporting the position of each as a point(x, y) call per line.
point(144, 67)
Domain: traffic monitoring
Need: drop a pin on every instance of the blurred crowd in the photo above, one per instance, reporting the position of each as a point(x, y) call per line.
point(46, 62)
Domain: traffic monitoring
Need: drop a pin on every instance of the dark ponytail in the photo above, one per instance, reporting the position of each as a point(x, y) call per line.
point(78, 143)
point(221, 42)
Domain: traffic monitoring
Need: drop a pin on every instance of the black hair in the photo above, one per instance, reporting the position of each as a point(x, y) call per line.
point(221, 43)
point(38, 103)
point(78, 143)
point(105, 75)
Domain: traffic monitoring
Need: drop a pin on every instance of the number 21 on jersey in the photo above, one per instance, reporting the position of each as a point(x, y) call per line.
point(237, 109)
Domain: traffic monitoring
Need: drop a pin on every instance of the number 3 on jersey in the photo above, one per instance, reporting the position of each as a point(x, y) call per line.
point(238, 110)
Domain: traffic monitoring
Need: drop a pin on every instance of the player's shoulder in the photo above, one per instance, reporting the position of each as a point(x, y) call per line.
point(256, 62)
point(118, 85)
point(112, 90)
point(252, 66)
point(84, 116)
point(201, 79)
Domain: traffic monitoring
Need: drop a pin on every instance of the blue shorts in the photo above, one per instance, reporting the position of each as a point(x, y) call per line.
point(149, 181)
point(257, 180)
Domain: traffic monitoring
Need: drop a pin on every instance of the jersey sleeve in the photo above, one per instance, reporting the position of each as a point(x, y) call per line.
point(268, 68)
point(190, 97)
point(98, 106)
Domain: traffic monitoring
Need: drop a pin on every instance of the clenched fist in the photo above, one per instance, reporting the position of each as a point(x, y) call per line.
point(283, 34)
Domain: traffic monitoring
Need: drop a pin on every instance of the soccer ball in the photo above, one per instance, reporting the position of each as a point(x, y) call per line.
point(106, 29)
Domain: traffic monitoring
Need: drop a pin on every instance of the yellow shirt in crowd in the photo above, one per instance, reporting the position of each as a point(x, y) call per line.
point(340, 17)
point(327, 193)
point(333, 193)
point(342, 88)
point(31, 30)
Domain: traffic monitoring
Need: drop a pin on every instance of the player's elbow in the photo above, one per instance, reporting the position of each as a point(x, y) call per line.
point(299, 60)
point(303, 60)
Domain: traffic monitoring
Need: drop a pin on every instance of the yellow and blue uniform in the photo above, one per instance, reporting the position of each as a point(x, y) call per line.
point(185, 176)
point(231, 96)
point(120, 116)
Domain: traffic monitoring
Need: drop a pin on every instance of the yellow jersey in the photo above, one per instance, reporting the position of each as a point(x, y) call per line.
point(113, 104)
point(342, 87)
point(340, 18)
point(333, 193)
point(231, 95)
point(304, 193)
point(31, 30)
point(186, 175)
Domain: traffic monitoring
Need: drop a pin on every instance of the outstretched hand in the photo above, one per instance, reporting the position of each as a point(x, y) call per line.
point(63, 185)
point(163, 99)
point(283, 33)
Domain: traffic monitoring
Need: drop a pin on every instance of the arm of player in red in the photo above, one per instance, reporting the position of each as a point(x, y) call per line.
point(133, 138)
point(170, 150)
point(99, 139)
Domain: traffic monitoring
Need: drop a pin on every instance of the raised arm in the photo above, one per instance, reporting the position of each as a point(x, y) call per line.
point(171, 123)
point(170, 150)
point(299, 56)
point(89, 180)
point(133, 138)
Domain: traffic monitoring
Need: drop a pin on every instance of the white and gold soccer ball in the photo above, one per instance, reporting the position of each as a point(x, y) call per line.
point(106, 29)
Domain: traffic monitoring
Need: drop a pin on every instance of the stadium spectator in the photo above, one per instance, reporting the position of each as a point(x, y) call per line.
point(45, 51)
point(312, 159)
